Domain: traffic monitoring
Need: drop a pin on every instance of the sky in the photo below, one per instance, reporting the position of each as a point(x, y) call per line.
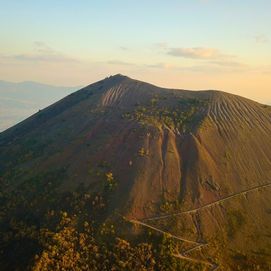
point(187, 44)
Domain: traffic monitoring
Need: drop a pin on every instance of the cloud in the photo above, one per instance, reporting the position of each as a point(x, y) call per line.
point(228, 63)
point(119, 62)
point(197, 53)
point(161, 45)
point(42, 58)
point(266, 71)
point(161, 66)
point(42, 47)
point(123, 48)
point(260, 38)
point(212, 55)
point(41, 53)
point(206, 67)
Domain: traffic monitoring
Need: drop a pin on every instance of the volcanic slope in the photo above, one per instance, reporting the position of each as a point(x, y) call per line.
point(153, 154)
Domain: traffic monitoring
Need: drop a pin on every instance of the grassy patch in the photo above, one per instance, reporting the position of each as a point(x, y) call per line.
point(182, 115)
point(235, 221)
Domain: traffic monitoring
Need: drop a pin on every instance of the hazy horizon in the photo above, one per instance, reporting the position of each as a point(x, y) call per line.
point(199, 44)
point(77, 87)
point(19, 100)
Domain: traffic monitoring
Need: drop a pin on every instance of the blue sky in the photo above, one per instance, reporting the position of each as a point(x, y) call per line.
point(195, 44)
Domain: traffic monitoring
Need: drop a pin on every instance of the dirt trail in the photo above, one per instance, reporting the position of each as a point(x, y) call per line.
point(193, 248)
point(209, 204)
point(183, 255)
point(164, 232)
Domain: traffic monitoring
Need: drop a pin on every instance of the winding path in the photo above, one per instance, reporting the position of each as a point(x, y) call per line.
point(180, 256)
point(209, 204)
point(164, 232)
point(198, 245)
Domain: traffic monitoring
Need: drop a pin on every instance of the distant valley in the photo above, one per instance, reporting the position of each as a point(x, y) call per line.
point(20, 100)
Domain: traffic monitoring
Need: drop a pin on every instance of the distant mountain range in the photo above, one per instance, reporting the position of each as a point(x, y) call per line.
point(20, 100)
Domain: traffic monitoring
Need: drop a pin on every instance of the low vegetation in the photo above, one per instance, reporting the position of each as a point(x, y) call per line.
point(235, 221)
point(68, 232)
point(181, 115)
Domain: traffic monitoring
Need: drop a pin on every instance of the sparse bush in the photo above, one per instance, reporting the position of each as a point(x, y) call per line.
point(235, 221)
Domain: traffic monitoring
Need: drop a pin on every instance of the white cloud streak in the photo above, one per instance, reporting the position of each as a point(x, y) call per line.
point(260, 38)
point(41, 53)
point(197, 53)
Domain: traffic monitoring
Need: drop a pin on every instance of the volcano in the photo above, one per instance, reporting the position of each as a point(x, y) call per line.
point(194, 166)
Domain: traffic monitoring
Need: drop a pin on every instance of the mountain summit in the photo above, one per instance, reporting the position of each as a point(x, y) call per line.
point(192, 164)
